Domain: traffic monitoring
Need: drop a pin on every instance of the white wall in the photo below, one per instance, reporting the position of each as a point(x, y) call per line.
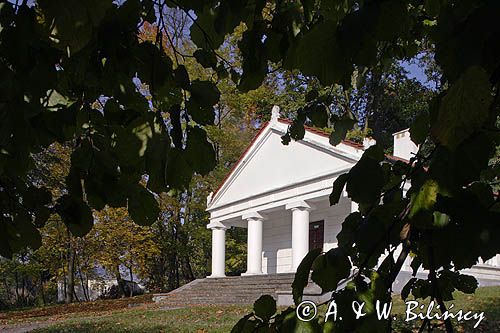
point(403, 146)
point(277, 234)
point(277, 243)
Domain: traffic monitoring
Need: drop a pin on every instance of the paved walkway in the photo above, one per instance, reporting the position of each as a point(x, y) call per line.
point(24, 327)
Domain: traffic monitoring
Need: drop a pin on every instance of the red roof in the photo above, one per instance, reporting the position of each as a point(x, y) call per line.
point(324, 134)
point(308, 128)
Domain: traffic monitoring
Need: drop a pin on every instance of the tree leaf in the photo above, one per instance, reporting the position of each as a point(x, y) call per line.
point(318, 53)
point(241, 324)
point(302, 275)
point(203, 32)
point(181, 77)
point(338, 188)
point(199, 153)
point(265, 307)
point(419, 129)
point(205, 93)
point(424, 199)
point(341, 127)
point(366, 178)
point(330, 268)
point(349, 227)
point(142, 206)
point(318, 113)
point(254, 62)
point(466, 283)
point(464, 108)
point(70, 23)
point(405, 292)
point(206, 58)
point(76, 214)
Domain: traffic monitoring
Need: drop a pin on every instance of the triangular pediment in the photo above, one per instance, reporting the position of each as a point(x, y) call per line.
point(268, 165)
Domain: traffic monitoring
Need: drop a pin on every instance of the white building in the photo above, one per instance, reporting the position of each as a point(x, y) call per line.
point(280, 194)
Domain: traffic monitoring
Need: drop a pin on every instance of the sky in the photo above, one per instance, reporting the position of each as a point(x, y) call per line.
point(415, 72)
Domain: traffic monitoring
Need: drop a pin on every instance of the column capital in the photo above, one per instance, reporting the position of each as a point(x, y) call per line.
point(299, 205)
point(216, 226)
point(253, 216)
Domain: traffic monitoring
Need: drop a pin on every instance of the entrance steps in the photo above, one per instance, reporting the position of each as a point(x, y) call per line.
point(226, 290)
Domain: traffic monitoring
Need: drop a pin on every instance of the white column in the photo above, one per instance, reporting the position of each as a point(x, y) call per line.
point(218, 251)
point(354, 206)
point(300, 231)
point(254, 243)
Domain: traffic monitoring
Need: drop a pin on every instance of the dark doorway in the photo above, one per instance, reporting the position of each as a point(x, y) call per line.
point(316, 232)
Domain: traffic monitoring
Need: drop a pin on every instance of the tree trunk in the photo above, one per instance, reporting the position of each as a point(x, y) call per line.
point(70, 275)
point(42, 291)
point(119, 280)
point(84, 288)
point(188, 270)
point(23, 294)
point(17, 286)
point(131, 281)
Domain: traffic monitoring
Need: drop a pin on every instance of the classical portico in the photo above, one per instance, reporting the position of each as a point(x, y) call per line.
point(276, 192)
point(277, 237)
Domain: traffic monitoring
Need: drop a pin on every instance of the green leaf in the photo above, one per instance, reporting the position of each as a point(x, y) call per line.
point(464, 108)
point(421, 289)
point(439, 219)
point(156, 157)
point(142, 206)
point(26, 231)
point(338, 188)
point(317, 53)
point(349, 227)
point(265, 307)
point(70, 23)
point(424, 199)
point(419, 129)
point(181, 77)
point(179, 171)
point(290, 323)
point(254, 62)
point(466, 283)
point(153, 66)
point(340, 129)
point(432, 7)
point(76, 214)
point(366, 178)
point(405, 292)
point(312, 95)
point(205, 93)
point(302, 275)
point(199, 153)
point(318, 113)
point(296, 130)
point(203, 115)
point(206, 58)
point(330, 268)
point(241, 324)
point(388, 28)
point(203, 32)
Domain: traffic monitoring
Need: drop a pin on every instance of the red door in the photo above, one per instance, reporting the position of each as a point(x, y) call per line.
point(316, 235)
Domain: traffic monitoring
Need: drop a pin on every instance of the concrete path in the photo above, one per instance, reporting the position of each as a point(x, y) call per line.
point(25, 327)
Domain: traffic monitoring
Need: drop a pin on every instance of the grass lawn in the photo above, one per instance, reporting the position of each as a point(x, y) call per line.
point(116, 316)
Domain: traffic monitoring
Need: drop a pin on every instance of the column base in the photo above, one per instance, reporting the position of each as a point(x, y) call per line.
point(251, 274)
point(215, 276)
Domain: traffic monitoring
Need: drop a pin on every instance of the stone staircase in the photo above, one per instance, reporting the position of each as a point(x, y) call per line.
point(227, 290)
